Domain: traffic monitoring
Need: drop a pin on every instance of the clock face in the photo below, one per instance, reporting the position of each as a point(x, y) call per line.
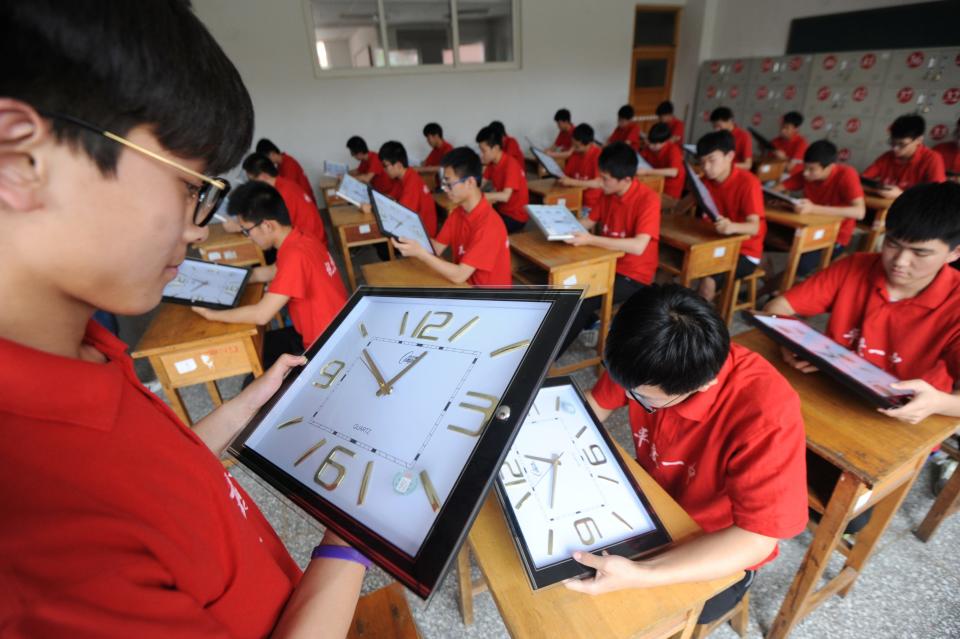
point(206, 284)
point(390, 408)
point(398, 221)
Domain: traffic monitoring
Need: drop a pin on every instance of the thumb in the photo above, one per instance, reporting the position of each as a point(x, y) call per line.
point(288, 361)
point(588, 559)
point(909, 384)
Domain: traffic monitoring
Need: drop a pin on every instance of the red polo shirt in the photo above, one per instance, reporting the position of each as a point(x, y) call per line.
point(411, 192)
point(924, 166)
point(911, 338)
point(437, 154)
point(508, 174)
point(564, 139)
point(381, 181)
point(840, 188)
point(794, 147)
point(737, 197)
point(743, 145)
point(734, 454)
point(629, 133)
point(307, 274)
point(586, 166)
point(676, 130)
point(479, 239)
point(636, 211)
point(668, 157)
point(303, 212)
point(118, 520)
point(950, 153)
point(289, 168)
point(512, 148)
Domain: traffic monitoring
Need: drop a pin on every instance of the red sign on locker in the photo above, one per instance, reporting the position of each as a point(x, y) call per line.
point(817, 123)
point(767, 64)
point(843, 154)
point(939, 132)
point(762, 92)
point(853, 125)
point(714, 67)
point(860, 94)
point(904, 95)
point(706, 116)
point(823, 94)
point(756, 119)
point(829, 62)
point(796, 62)
point(711, 92)
point(734, 91)
point(915, 59)
point(738, 66)
point(790, 92)
point(868, 60)
point(951, 96)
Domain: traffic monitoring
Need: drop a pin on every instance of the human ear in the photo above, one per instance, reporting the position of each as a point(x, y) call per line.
point(21, 170)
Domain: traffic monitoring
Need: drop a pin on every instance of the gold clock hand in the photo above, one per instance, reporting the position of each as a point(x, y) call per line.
point(375, 372)
point(553, 480)
point(388, 386)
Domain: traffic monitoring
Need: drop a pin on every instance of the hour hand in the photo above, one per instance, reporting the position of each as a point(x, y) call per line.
point(372, 367)
point(388, 386)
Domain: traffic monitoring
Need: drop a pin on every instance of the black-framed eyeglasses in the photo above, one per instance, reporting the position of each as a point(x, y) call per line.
point(246, 231)
point(446, 186)
point(900, 143)
point(645, 404)
point(208, 195)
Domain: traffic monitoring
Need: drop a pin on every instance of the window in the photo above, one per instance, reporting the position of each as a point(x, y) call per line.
point(357, 37)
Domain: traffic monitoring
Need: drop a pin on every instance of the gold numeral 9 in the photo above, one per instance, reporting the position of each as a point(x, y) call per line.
point(330, 372)
point(582, 526)
point(595, 455)
point(340, 468)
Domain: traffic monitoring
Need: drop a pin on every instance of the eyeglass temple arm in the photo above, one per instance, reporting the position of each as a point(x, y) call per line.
point(160, 158)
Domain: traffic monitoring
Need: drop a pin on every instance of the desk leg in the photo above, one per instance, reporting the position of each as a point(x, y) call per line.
point(465, 585)
point(390, 250)
point(347, 264)
point(214, 394)
point(253, 356)
point(827, 254)
point(946, 503)
point(171, 393)
point(606, 311)
point(793, 261)
point(727, 301)
point(691, 626)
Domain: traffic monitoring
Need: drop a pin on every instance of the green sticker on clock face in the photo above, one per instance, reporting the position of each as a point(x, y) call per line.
point(404, 482)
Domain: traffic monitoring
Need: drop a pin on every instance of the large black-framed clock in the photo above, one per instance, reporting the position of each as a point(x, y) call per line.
point(394, 430)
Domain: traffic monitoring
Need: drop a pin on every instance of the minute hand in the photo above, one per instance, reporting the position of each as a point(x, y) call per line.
point(388, 386)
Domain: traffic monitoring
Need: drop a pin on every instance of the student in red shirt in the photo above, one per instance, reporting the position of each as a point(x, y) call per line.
point(563, 145)
point(666, 158)
point(510, 145)
point(739, 198)
point(950, 152)
point(475, 234)
point(722, 119)
point(505, 176)
point(439, 147)
point(301, 209)
point(717, 427)
point(409, 190)
point(909, 161)
point(790, 145)
point(626, 218)
point(287, 166)
point(304, 277)
point(370, 170)
point(582, 168)
point(119, 520)
point(665, 114)
point(627, 130)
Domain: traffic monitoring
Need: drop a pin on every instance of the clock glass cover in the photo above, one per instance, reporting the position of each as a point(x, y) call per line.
point(201, 283)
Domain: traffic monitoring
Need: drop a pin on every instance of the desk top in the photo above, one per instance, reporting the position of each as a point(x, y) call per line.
point(546, 186)
point(349, 214)
point(558, 612)
point(684, 231)
point(217, 236)
point(795, 220)
point(876, 202)
point(443, 201)
point(550, 255)
point(176, 326)
point(846, 431)
point(406, 272)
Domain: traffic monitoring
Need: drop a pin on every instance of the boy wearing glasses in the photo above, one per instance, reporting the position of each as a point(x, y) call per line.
point(506, 177)
point(300, 207)
point(304, 278)
point(120, 520)
point(909, 161)
point(479, 249)
point(717, 427)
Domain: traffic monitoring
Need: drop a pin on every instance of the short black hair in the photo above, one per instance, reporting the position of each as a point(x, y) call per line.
point(465, 163)
point(112, 64)
point(583, 133)
point(497, 126)
point(908, 126)
point(490, 136)
point(432, 128)
point(562, 115)
point(393, 152)
point(666, 336)
point(257, 164)
point(665, 108)
point(793, 117)
point(258, 201)
point(822, 152)
point(266, 147)
point(625, 112)
point(356, 144)
point(721, 114)
point(659, 132)
point(716, 141)
point(926, 212)
point(619, 160)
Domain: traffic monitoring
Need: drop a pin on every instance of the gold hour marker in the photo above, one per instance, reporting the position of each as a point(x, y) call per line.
point(539, 459)
point(363, 483)
point(550, 542)
point(487, 413)
point(420, 325)
point(463, 329)
point(431, 493)
point(290, 422)
point(514, 482)
point(509, 348)
point(363, 329)
point(581, 432)
point(557, 407)
point(522, 499)
point(309, 452)
point(624, 521)
point(403, 323)
point(610, 479)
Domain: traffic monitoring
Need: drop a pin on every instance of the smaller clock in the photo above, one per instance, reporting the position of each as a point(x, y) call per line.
point(564, 488)
point(201, 283)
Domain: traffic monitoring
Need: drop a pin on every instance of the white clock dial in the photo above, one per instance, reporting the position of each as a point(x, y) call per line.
point(199, 281)
point(391, 407)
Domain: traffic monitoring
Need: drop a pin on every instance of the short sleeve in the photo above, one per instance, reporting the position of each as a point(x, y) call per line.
point(290, 279)
point(934, 170)
point(515, 178)
point(608, 394)
point(753, 198)
point(446, 234)
point(818, 292)
point(484, 247)
point(746, 146)
point(647, 216)
point(875, 169)
point(850, 187)
point(596, 213)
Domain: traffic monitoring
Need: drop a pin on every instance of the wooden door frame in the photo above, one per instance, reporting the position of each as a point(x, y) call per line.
point(660, 51)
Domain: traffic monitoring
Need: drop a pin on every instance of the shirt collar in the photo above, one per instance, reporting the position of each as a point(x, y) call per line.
point(698, 406)
point(942, 287)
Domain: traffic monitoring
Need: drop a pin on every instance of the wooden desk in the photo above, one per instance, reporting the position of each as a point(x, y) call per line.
point(548, 191)
point(770, 168)
point(655, 182)
point(690, 249)
point(406, 272)
point(355, 228)
point(185, 349)
point(328, 185)
point(879, 457)
point(229, 248)
point(875, 222)
point(800, 234)
point(535, 260)
point(556, 612)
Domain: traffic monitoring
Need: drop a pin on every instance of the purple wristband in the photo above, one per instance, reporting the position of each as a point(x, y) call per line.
point(347, 553)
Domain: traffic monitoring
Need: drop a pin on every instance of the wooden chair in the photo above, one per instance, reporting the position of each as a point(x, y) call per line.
point(751, 303)
point(948, 501)
point(738, 617)
point(383, 614)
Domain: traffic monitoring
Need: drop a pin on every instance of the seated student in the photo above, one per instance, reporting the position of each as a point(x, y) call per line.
point(118, 519)
point(301, 209)
point(790, 145)
point(627, 219)
point(410, 190)
point(718, 428)
point(582, 168)
point(439, 147)
point(370, 170)
point(950, 152)
point(666, 158)
point(665, 114)
point(304, 278)
point(506, 177)
point(287, 166)
point(627, 130)
point(563, 145)
point(474, 232)
point(510, 145)
point(909, 161)
point(739, 198)
point(722, 119)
